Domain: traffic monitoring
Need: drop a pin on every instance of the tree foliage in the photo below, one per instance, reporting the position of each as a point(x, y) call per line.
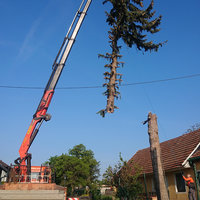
point(87, 156)
point(125, 178)
point(77, 169)
point(130, 22)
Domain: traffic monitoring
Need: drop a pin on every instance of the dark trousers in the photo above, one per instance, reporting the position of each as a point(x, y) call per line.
point(191, 194)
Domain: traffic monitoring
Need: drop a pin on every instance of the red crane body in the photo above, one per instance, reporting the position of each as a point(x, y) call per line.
point(40, 115)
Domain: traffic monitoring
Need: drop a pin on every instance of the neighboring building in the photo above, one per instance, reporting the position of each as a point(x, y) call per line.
point(106, 190)
point(3, 176)
point(179, 155)
point(4, 168)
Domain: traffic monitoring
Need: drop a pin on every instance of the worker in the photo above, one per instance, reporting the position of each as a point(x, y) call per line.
point(190, 183)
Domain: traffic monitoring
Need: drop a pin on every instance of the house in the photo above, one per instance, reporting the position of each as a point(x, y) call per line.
point(106, 190)
point(178, 155)
point(4, 168)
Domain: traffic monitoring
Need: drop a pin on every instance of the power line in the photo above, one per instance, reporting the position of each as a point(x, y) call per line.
point(93, 87)
point(162, 80)
point(21, 87)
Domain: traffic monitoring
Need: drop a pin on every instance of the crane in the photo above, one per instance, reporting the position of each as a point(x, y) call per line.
point(24, 161)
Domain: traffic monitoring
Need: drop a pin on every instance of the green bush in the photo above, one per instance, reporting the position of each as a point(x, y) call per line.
point(106, 197)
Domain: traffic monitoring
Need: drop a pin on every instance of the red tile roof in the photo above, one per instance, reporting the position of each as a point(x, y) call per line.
point(173, 152)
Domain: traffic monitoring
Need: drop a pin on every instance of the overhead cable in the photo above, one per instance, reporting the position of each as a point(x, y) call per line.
point(98, 86)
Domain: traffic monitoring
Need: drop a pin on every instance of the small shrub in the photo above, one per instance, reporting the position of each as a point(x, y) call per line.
point(106, 197)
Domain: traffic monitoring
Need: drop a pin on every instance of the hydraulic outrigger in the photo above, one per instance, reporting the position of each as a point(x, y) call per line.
point(24, 161)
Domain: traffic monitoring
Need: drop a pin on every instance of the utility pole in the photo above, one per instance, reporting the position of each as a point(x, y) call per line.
point(160, 186)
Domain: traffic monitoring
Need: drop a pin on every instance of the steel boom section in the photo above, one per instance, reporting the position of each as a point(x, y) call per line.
point(59, 63)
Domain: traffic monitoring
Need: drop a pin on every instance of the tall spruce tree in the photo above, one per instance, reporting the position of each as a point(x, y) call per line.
point(131, 23)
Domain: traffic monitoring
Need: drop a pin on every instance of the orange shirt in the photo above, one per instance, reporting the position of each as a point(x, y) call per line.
point(188, 180)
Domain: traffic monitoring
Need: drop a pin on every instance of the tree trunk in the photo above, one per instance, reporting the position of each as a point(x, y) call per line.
point(113, 76)
point(160, 186)
point(112, 82)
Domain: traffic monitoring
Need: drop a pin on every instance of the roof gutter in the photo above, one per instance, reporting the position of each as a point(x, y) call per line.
point(186, 160)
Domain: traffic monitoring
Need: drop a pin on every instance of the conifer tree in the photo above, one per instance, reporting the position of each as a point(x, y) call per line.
point(130, 22)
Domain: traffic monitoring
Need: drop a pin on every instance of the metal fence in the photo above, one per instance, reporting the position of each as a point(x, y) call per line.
point(34, 178)
point(39, 174)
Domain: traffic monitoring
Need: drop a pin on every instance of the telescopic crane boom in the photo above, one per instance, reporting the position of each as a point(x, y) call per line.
point(41, 113)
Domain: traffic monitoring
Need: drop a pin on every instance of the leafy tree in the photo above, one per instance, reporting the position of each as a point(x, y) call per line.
point(108, 176)
point(74, 169)
point(125, 178)
point(87, 156)
point(131, 23)
point(77, 169)
point(81, 152)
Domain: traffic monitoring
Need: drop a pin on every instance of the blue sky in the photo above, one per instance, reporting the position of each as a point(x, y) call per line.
point(31, 33)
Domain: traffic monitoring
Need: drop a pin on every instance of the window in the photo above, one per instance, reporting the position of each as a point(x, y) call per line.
point(198, 176)
point(166, 182)
point(180, 183)
point(153, 186)
point(34, 176)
